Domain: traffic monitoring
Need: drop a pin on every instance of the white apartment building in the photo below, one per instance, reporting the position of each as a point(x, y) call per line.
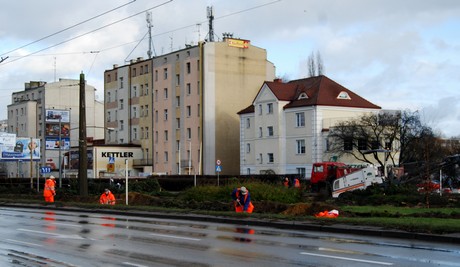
point(49, 112)
point(285, 128)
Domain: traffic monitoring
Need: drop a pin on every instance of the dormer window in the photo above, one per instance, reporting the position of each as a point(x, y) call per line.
point(303, 96)
point(343, 95)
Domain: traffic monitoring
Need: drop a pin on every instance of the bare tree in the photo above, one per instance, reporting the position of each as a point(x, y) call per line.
point(315, 65)
point(365, 137)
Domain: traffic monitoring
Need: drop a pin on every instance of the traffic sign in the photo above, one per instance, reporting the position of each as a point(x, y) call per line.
point(44, 170)
point(111, 160)
point(218, 162)
point(218, 168)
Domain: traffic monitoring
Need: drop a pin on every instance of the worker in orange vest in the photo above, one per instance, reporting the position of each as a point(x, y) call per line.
point(107, 198)
point(296, 182)
point(50, 189)
point(286, 182)
point(242, 200)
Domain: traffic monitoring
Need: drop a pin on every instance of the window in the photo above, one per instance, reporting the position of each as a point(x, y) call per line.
point(269, 108)
point(121, 82)
point(166, 135)
point(248, 148)
point(156, 95)
point(177, 79)
point(375, 144)
point(177, 123)
point(300, 119)
point(188, 67)
point(134, 72)
point(146, 132)
point(177, 145)
point(141, 70)
point(388, 145)
point(248, 123)
point(142, 133)
point(108, 116)
point(189, 89)
point(189, 133)
point(270, 130)
point(301, 172)
point(300, 146)
point(135, 133)
point(156, 137)
point(156, 75)
point(121, 104)
point(108, 97)
point(134, 112)
point(260, 131)
point(198, 110)
point(121, 125)
point(166, 114)
point(146, 111)
point(134, 91)
point(165, 93)
point(166, 156)
point(189, 111)
point(362, 144)
point(177, 101)
point(146, 69)
point(271, 158)
point(261, 159)
point(165, 73)
point(348, 144)
point(146, 89)
point(141, 91)
point(260, 109)
point(198, 87)
point(156, 115)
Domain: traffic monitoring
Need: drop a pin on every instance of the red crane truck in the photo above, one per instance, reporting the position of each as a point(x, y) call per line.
point(335, 178)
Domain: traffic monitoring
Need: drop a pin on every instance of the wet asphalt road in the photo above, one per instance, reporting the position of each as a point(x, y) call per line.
point(37, 237)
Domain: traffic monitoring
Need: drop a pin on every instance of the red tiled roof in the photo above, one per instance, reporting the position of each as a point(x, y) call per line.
point(321, 91)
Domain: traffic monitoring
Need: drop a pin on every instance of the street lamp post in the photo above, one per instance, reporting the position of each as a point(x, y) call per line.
point(60, 151)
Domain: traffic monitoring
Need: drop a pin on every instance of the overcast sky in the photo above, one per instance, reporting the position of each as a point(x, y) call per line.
point(397, 54)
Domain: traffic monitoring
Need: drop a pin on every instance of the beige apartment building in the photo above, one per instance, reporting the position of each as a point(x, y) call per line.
point(49, 114)
point(182, 107)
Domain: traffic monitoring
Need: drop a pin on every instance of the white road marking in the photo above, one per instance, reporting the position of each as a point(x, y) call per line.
point(133, 264)
point(347, 259)
point(21, 242)
point(177, 237)
point(66, 224)
point(53, 234)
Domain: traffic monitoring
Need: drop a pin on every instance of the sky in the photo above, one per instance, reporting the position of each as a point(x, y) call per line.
point(400, 55)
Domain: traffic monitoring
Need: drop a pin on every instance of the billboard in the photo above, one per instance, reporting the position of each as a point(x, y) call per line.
point(53, 115)
point(23, 149)
point(53, 143)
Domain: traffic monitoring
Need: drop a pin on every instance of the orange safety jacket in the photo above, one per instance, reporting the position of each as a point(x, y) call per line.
point(244, 203)
point(49, 189)
point(296, 183)
point(107, 198)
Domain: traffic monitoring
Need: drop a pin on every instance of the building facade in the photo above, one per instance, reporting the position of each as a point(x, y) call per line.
point(284, 130)
point(186, 118)
point(49, 112)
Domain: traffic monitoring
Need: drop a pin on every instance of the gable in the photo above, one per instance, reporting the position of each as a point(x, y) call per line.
point(265, 95)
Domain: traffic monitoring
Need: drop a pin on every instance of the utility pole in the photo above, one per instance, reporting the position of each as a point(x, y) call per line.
point(82, 156)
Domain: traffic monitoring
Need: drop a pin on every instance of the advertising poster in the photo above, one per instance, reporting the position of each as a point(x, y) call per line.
point(53, 143)
point(23, 149)
point(53, 115)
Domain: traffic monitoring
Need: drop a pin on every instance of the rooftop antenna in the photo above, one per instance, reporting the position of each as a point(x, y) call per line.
point(210, 10)
point(198, 26)
point(149, 26)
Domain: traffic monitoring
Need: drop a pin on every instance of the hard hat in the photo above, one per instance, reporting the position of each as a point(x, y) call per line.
point(52, 177)
point(243, 190)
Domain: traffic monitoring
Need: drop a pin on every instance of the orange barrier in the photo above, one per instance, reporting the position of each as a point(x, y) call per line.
point(327, 214)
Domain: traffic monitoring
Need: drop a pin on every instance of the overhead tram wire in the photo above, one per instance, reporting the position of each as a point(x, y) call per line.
point(68, 28)
point(81, 35)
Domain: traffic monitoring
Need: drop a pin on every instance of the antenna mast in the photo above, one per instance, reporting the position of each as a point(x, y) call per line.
point(149, 26)
point(210, 10)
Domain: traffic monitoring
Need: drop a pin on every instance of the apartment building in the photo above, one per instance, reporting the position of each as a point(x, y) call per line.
point(49, 114)
point(186, 116)
point(284, 130)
